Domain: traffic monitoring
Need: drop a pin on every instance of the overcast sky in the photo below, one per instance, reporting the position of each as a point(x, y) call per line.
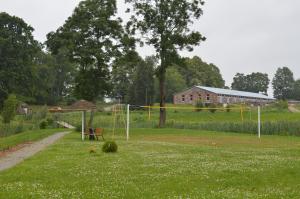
point(242, 36)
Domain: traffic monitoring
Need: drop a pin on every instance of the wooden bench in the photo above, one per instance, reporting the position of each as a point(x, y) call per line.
point(99, 132)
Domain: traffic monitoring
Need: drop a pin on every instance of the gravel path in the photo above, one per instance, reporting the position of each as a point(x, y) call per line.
point(16, 157)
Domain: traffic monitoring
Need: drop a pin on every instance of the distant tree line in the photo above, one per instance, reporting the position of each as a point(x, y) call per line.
point(284, 85)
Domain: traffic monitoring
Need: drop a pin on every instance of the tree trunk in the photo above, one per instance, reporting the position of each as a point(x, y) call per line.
point(162, 113)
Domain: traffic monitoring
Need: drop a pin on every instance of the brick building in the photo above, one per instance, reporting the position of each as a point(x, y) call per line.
point(219, 96)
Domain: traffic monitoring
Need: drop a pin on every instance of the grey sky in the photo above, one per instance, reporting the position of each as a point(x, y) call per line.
point(242, 36)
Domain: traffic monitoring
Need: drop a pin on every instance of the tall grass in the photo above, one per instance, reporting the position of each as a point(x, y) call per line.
point(274, 122)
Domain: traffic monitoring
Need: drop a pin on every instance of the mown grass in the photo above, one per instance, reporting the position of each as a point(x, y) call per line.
point(161, 163)
point(28, 136)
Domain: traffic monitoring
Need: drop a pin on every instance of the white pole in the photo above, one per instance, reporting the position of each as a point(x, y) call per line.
point(82, 126)
point(127, 126)
point(259, 122)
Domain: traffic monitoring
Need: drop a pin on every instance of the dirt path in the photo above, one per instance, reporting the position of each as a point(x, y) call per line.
point(293, 109)
point(16, 157)
point(65, 125)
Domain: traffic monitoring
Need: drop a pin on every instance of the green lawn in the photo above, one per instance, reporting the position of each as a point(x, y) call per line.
point(161, 163)
point(28, 136)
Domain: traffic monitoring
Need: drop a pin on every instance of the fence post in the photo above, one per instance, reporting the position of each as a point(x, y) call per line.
point(259, 122)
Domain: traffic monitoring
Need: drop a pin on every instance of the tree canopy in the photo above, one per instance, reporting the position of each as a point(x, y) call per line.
point(17, 52)
point(254, 82)
point(93, 37)
point(283, 83)
point(123, 70)
point(197, 72)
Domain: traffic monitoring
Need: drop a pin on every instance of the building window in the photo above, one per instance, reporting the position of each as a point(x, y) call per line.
point(208, 97)
point(200, 97)
point(183, 98)
point(191, 97)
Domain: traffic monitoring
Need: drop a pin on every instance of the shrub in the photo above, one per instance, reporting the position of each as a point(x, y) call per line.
point(228, 108)
point(50, 121)
point(281, 104)
point(110, 147)
point(212, 108)
point(199, 105)
point(9, 109)
point(19, 128)
point(43, 124)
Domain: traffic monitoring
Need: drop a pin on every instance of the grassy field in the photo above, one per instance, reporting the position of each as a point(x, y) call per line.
point(161, 163)
point(28, 136)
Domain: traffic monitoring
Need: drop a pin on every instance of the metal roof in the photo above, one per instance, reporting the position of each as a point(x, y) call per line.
point(222, 91)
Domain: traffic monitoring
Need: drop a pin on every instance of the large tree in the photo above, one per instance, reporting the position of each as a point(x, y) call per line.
point(197, 72)
point(165, 25)
point(123, 70)
point(52, 78)
point(17, 52)
point(283, 83)
point(141, 91)
point(93, 36)
point(254, 82)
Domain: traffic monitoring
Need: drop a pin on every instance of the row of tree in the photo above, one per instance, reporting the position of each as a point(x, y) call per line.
point(284, 85)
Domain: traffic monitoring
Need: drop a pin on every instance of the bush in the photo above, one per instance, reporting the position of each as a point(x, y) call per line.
point(9, 109)
point(110, 147)
point(228, 108)
point(50, 121)
point(19, 128)
point(212, 108)
point(199, 105)
point(281, 104)
point(43, 124)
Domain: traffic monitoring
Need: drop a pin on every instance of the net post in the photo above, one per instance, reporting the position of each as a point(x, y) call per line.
point(149, 113)
point(127, 125)
point(242, 114)
point(82, 125)
point(259, 121)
